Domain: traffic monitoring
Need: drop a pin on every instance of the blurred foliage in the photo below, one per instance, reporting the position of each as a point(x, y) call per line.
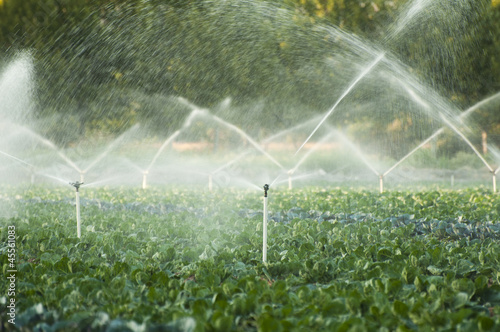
point(106, 64)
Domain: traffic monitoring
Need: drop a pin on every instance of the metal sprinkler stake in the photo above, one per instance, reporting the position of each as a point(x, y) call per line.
point(78, 223)
point(264, 226)
point(381, 183)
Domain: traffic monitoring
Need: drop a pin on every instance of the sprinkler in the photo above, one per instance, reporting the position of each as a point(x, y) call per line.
point(32, 175)
point(82, 177)
point(264, 226)
point(210, 182)
point(290, 172)
point(144, 179)
point(494, 181)
point(78, 223)
point(381, 183)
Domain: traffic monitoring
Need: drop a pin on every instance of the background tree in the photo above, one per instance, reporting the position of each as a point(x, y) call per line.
point(104, 65)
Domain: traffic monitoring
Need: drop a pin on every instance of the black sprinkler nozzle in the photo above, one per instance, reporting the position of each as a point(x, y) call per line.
point(76, 184)
point(266, 188)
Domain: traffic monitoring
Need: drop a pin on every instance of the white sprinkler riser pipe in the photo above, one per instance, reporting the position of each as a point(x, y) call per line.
point(381, 184)
point(144, 180)
point(264, 232)
point(78, 222)
point(494, 183)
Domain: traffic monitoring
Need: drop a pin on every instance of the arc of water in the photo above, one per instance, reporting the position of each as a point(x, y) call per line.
point(232, 161)
point(298, 177)
point(56, 178)
point(356, 150)
point(459, 133)
point(249, 139)
point(276, 179)
point(53, 147)
point(416, 7)
point(190, 171)
point(309, 152)
point(267, 140)
point(187, 123)
point(437, 133)
point(33, 167)
point(249, 184)
point(17, 159)
point(232, 127)
point(478, 105)
point(130, 163)
point(346, 92)
point(101, 181)
point(110, 147)
point(164, 145)
point(441, 130)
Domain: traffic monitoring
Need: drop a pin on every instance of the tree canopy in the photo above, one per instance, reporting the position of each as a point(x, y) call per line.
point(107, 64)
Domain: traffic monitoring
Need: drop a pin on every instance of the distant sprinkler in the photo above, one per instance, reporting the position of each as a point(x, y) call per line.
point(32, 175)
point(290, 172)
point(381, 183)
point(264, 226)
point(144, 179)
point(78, 222)
point(210, 182)
point(494, 173)
point(82, 177)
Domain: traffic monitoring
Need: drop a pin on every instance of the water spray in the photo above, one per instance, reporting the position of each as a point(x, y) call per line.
point(78, 222)
point(264, 225)
point(82, 177)
point(205, 112)
point(346, 92)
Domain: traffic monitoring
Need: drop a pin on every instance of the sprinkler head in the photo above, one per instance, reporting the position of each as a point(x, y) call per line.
point(266, 188)
point(76, 184)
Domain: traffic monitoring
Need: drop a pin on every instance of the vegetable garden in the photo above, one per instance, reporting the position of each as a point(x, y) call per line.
point(172, 259)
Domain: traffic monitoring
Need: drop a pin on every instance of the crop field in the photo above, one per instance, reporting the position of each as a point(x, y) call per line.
point(174, 259)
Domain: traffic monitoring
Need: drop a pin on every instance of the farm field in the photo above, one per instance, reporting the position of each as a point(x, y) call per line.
point(174, 259)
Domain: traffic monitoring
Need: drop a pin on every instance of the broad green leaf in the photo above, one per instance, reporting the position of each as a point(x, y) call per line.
point(400, 308)
point(486, 324)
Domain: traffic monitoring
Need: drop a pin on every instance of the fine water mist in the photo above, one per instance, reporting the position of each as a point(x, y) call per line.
point(219, 93)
